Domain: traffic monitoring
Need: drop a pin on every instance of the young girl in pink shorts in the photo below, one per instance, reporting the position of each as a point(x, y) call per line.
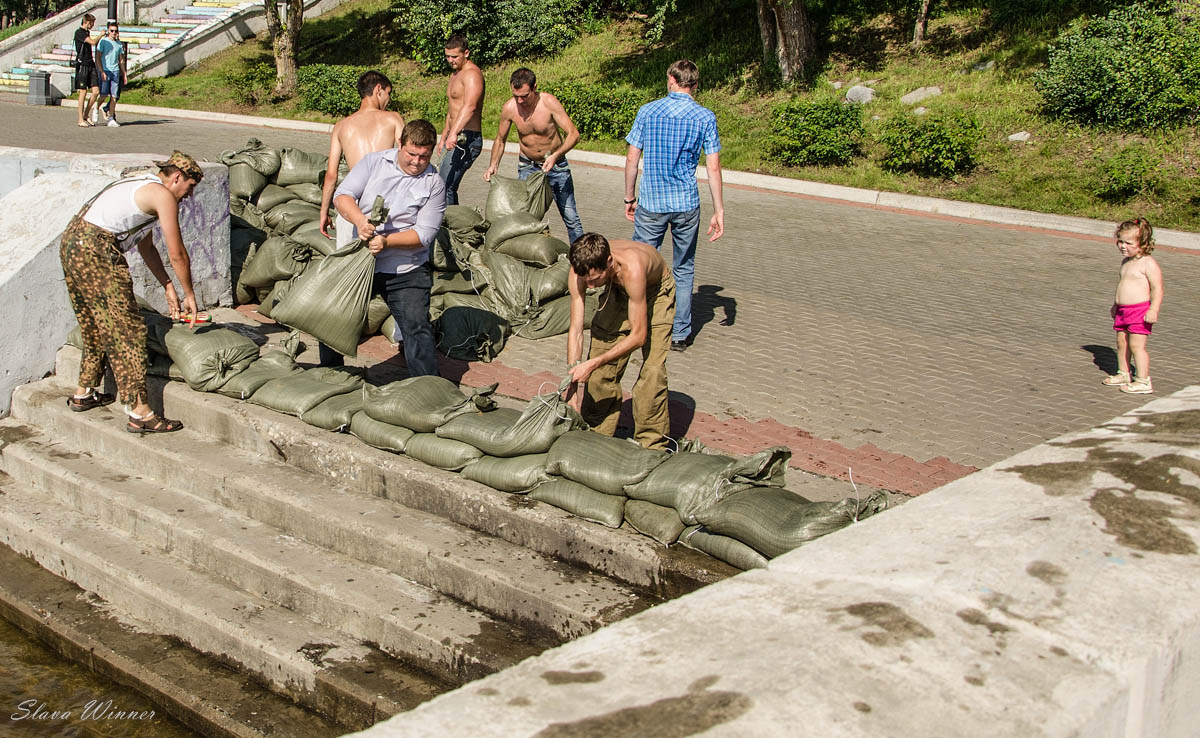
point(1135, 311)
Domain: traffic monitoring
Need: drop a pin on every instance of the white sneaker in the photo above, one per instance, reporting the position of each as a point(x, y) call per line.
point(112, 123)
point(96, 114)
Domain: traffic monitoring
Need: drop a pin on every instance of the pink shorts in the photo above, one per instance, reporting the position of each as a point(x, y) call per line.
point(1131, 318)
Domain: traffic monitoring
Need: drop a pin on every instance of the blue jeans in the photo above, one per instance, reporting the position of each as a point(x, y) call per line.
point(563, 188)
point(110, 84)
point(407, 296)
point(651, 228)
point(458, 160)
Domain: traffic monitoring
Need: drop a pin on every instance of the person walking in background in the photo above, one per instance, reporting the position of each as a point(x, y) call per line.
point(539, 117)
point(462, 135)
point(669, 134)
point(87, 77)
point(1135, 309)
point(110, 52)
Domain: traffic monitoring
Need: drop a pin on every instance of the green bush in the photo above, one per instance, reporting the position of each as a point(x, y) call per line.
point(251, 85)
point(936, 146)
point(1131, 171)
point(329, 88)
point(1135, 68)
point(598, 112)
point(825, 132)
point(496, 29)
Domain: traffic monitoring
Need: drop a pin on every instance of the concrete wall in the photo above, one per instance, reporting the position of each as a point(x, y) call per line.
point(39, 39)
point(50, 188)
point(1054, 594)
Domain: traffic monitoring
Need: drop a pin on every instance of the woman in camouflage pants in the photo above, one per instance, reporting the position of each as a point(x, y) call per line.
point(101, 289)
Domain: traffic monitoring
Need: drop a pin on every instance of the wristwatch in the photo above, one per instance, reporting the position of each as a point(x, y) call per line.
point(630, 202)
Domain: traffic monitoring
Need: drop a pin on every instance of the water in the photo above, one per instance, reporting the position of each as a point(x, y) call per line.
point(36, 683)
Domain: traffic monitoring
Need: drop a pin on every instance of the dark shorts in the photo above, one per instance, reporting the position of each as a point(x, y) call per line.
point(87, 77)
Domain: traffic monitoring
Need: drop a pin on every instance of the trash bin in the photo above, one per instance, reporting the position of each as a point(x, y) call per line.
point(39, 89)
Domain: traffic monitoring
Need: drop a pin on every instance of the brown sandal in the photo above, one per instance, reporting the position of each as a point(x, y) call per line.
point(152, 423)
point(92, 399)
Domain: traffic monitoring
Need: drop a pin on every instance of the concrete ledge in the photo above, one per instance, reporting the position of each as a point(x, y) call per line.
point(1054, 594)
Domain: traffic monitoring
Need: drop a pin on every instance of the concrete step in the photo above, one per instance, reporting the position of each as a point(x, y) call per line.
point(488, 573)
point(456, 643)
point(344, 460)
point(327, 671)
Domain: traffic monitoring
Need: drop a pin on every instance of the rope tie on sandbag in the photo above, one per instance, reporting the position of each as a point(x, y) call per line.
point(559, 406)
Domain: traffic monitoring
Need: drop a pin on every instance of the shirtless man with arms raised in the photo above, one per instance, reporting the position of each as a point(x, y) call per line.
point(372, 128)
point(539, 117)
point(635, 312)
point(462, 134)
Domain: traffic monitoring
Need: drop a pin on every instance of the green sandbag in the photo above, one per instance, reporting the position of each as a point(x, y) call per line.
point(508, 278)
point(380, 435)
point(437, 306)
point(505, 432)
point(441, 253)
point(690, 482)
point(534, 248)
point(307, 191)
point(329, 300)
point(444, 282)
point(424, 403)
point(463, 299)
point(261, 158)
point(271, 365)
point(247, 213)
point(335, 413)
point(773, 521)
point(310, 235)
point(507, 196)
point(470, 334)
point(377, 312)
point(243, 295)
point(660, 523)
point(273, 196)
point(554, 318)
point(276, 258)
point(298, 393)
point(724, 548)
point(518, 474)
point(244, 181)
point(267, 304)
point(582, 501)
point(550, 282)
point(295, 215)
point(299, 167)
point(388, 328)
point(441, 452)
point(538, 194)
point(603, 463)
point(462, 218)
point(208, 357)
point(241, 242)
point(511, 226)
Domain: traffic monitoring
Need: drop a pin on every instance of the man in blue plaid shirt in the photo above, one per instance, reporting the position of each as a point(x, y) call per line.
point(670, 133)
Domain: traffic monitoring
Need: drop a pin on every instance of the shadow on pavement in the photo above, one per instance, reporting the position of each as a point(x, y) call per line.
point(151, 122)
point(1104, 357)
point(704, 307)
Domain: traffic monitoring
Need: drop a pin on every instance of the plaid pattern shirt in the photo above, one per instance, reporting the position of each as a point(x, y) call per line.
point(671, 132)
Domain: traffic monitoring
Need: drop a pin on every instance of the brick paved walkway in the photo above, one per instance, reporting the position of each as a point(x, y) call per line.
point(907, 346)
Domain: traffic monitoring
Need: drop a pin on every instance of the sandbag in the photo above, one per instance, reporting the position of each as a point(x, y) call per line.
point(554, 318)
point(724, 548)
point(660, 523)
point(462, 218)
point(247, 213)
point(298, 393)
point(773, 521)
point(276, 258)
point(310, 235)
point(329, 300)
point(241, 242)
point(380, 435)
point(299, 167)
point(538, 194)
point(208, 357)
point(511, 226)
point(272, 196)
point(603, 463)
point(444, 282)
point(517, 474)
point(391, 331)
point(504, 432)
point(377, 312)
point(507, 196)
point(245, 181)
point(261, 158)
point(267, 304)
point(441, 253)
point(335, 413)
point(689, 482)
point(534, 248)
point(550, 282)
point(582, 501)
point(271, 365)
point(308, 191)
point(292, 216)
point(470, 334)
point(443, 453)
point(508, 278)
point(424, 403)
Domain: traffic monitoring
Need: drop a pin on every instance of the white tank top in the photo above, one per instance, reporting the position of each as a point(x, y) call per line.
point(116, 212)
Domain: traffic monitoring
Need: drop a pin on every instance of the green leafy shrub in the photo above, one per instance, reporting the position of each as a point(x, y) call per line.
point(598, 112)
point(1131, 171)
point(252, 84)
point(824, 132)
point(329, 88)
point(1135, 68)
point(936, 146)
point(496, 29)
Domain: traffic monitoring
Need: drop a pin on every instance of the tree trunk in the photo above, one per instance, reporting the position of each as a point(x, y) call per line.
point(922, 24)
point(787, 36)
point(285, 44)
point(766, 30)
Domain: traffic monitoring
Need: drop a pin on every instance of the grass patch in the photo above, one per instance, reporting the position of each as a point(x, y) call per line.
point(1057, 171)
point(14, 30)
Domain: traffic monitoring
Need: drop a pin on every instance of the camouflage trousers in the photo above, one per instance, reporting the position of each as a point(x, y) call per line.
point(101, 292)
